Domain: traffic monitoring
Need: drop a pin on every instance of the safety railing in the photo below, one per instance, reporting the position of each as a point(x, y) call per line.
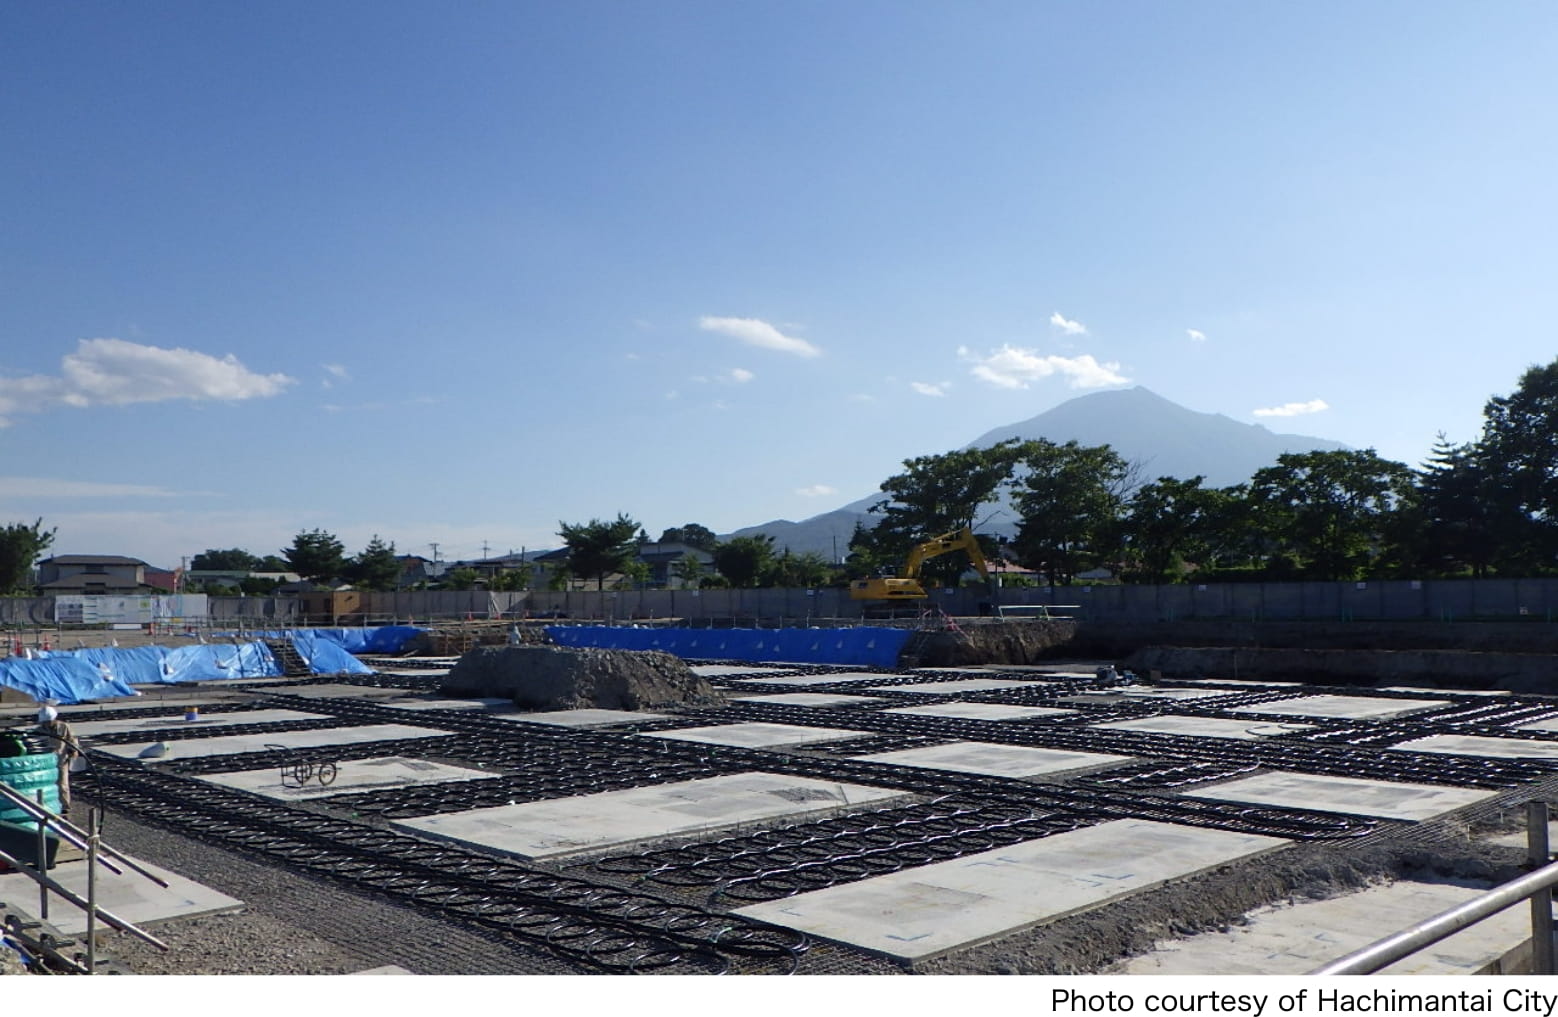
point(1536, 886)
point(98, 854)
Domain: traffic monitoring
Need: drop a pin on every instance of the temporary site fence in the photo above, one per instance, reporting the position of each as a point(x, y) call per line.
point(1440, 600)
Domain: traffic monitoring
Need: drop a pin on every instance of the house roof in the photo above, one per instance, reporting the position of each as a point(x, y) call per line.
point(91, 559)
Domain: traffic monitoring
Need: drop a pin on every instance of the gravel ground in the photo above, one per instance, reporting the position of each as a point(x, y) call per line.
point(296, 925)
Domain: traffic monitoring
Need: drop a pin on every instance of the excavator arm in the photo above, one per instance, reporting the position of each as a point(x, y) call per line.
point(906, 586)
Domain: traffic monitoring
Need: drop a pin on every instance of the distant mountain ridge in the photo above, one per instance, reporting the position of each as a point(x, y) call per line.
point(1165, 438)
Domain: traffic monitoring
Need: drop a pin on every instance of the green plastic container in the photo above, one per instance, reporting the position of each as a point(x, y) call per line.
point(29, 775)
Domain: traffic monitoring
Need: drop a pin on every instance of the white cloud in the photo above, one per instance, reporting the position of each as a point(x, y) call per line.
point(930, 390)
point(754, 332)
point(337, 370)
point(862, 397)
point(1293, 409)
point(1067, 326)
point(815, 491)
point(50, 487)
point(740, 375)
point(1014, 367)
point(114, 372)
point(1196, 334)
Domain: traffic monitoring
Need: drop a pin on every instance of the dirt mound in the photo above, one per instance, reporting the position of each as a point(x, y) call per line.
point(557, 678)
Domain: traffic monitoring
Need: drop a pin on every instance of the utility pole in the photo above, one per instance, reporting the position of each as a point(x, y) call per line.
point(434, 546)
point(484, 549)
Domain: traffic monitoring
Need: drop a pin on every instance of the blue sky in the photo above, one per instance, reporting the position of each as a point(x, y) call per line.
point(455, 272)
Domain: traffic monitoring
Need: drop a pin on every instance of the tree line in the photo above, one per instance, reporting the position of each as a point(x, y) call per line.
point(1486, 507)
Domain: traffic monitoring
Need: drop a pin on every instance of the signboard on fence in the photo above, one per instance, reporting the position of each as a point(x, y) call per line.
point(106, 610)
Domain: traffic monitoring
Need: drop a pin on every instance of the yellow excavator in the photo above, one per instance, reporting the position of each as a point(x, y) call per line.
point(906, 585)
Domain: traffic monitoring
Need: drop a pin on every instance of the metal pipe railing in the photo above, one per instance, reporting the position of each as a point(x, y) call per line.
point(1534, 886)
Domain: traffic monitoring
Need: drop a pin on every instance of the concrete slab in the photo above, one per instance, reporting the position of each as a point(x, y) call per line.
point(561, 827)
point(755, 735)
point(413, 672)
point(132, 897)
point(807, 699)
point(956, 687)
point(387, 969)
point(583, 718)
point(1550, 724)
point(352, 775)
point(1478, 745)
point(981, 711)
point(92, 728)
point(727, 670)
point(952, 670)
point(1293, 939)
point(448, 704)
point(1352, 795)
point(920, 912)
point(997, 760)
point(813, 679)
point(231, 744)
point(1204, 727)
point(1239, 682)
point(1345, 707)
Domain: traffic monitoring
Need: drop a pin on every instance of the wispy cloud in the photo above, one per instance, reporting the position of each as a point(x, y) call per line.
point(52, 487)
point(1293, 409)
point(1015, 367)
point(114, 372)
point(815, 491)
point(371, 406)
point(862, 397)
point(1196, 334)
point(1066, 325)
point(930, 390)
point(741, 375)
point(755, 332)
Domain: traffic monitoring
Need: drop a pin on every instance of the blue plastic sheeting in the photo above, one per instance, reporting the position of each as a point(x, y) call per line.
point(62, 677)
point(862, 647)
point(324, 655)
point(214, 661)
point(139, 665)
point(384, 639)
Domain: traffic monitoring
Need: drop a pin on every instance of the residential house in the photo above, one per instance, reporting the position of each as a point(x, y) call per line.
point(93, 573)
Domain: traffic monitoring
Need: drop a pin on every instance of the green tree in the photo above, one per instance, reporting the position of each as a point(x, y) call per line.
point(691, 534)
point(598, 549)
point(1069, 499)
point(463, 578)
point(514, 579)
point(1328, 509)
point(1170, 527)
point(272, 563)
point(256, 586)
point(234, 559)
point(316, 555)
point(375, 567)
point(936, 494)
point(689, 569)
point(1519, 447)
point(744, 560)
point(795, 571)
point(21, 546)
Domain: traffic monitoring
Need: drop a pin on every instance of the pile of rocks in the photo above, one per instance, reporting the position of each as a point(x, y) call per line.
point(558, 678)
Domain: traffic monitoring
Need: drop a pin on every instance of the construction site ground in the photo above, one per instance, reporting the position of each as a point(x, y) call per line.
point(751, 837)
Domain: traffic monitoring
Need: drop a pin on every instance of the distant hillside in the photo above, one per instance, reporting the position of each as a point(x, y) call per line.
point(1166, 439)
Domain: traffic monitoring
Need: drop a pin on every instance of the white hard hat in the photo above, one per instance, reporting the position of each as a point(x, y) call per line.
point(47, 714)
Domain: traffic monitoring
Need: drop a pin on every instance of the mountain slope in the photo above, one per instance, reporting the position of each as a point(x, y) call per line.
point(1164, 438)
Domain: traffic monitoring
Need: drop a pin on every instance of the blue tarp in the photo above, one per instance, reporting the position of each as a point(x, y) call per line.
point(62, 677)
point(383, 639)
point(209, 661)
point(866, 647)
point(75, 676)
point(324, 655)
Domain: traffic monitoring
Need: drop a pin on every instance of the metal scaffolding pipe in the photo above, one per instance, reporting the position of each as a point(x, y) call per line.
point(74, 898)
